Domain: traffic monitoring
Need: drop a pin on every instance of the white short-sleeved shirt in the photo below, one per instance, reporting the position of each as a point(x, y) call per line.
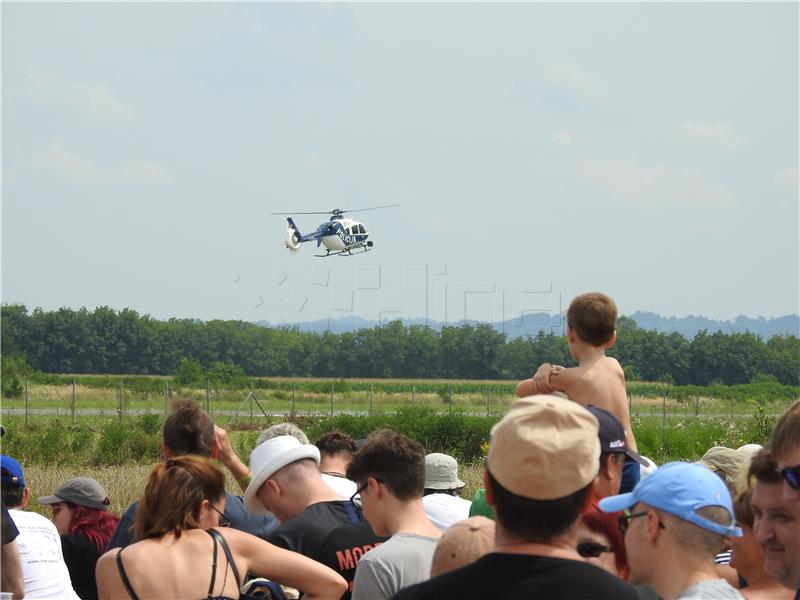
point(46, 573)
point(341, 485)
point(443, 509)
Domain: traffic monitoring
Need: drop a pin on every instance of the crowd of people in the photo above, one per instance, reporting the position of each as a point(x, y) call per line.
point(568, 509)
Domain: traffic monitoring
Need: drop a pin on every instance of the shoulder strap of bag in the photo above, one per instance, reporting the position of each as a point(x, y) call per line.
point(218, 537)
point(351, 512)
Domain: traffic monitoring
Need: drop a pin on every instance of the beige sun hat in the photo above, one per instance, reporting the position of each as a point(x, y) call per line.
point(545, 450)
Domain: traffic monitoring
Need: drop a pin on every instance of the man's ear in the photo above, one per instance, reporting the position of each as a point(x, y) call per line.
point(654, 530)
point(487, 487)
point(571, 335)
point(215, 448)
point(374, 487)
point(274, 487)
point(165, 451)
point(26, 496)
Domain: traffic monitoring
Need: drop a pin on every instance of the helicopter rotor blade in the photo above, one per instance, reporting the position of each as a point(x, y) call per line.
point(326, 212)
point(370, 208)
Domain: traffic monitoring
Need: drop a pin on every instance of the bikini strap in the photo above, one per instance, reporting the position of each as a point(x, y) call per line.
point(213, 569)
point(124, 576)
point(218, 537)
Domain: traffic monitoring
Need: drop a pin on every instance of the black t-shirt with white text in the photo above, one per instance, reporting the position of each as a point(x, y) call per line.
point(345, 546)
point(498, 576)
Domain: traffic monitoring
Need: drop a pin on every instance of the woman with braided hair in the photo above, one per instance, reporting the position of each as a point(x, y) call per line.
point(185, 550)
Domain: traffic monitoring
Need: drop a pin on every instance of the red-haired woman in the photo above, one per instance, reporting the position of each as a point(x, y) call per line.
point(185, 549)
point(601, 542)
point(80, 513)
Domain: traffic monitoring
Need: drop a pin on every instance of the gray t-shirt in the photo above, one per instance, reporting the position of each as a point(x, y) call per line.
point(402, 560)
point(711, 589)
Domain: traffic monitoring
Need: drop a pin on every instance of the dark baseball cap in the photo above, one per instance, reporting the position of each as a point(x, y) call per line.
point(612, 435)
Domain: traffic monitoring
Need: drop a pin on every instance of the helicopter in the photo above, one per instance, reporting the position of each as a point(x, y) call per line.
point(340, 235)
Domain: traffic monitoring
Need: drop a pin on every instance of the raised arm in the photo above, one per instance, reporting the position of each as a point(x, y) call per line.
point(228, 457)
point(540, 383)
point(263, 559)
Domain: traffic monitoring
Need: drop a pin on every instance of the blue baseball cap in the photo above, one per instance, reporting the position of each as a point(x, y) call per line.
point(11, 472)
point(680, 489)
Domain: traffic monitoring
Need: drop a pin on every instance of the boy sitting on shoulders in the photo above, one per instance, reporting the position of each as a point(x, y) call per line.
point(598, 379)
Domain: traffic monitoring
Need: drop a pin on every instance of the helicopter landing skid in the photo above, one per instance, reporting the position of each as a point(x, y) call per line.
point(347, 251)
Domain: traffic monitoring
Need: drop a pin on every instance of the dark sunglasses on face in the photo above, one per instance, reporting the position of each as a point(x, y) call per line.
point(625, 521)
point(792, 476)
point(592, 549)
point(223, 522)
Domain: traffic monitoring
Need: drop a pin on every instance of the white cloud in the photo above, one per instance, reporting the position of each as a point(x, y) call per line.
point(142, 171)
point(717, 134)
point(574, 81)
point(565, 139)
point(652, 186)
point(95, 98)
point(73, 167)
point(789, 178)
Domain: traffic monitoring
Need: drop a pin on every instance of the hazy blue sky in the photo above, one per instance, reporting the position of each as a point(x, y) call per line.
point(537, 150)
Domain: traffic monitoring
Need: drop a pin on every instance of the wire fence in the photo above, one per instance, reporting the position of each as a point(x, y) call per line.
point(73, 402)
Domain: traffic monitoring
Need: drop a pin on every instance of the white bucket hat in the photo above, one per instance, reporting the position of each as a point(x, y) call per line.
point(441, 472)
point(267, 459)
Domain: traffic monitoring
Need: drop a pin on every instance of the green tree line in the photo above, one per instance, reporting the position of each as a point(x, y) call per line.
point(107, 341)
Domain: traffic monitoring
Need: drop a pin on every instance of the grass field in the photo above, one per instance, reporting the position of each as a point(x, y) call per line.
point(119, 446)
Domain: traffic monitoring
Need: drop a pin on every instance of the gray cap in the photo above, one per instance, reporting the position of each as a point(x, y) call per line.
point(83, 491)
point(441, 472)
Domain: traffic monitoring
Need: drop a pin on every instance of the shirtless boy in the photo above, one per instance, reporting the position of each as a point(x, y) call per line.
point(598, 379)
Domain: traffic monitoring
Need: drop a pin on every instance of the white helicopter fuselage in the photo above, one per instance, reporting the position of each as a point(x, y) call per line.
point(351, 233)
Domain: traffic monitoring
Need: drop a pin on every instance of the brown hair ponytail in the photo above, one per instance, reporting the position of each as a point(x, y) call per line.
point(174, 492)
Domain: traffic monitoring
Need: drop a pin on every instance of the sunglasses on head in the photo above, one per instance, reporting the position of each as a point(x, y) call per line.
point(592, 549)
point(792, 476)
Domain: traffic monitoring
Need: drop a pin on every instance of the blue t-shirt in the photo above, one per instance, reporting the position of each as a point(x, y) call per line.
point(258, 525)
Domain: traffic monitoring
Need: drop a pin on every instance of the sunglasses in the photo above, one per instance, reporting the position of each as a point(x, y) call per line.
point(592, 549)
point(792, 476)
point(624, 521)
point(223, 522)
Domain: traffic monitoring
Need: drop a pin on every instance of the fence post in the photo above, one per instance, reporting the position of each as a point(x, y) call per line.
point(166, 395)
point(26, 403)
point(487, 401)
point(331, 399)
point(630, 404)
point(731, 407)
point(663, 415)
point(251, 406)
point(449, 398)
point(697, 406)
point(119, 402)
point(293, 400)
point(208, 396)
point(370, 399)
point(73, 401)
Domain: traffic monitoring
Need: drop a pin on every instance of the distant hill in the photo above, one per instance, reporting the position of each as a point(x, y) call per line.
point(533, 323)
